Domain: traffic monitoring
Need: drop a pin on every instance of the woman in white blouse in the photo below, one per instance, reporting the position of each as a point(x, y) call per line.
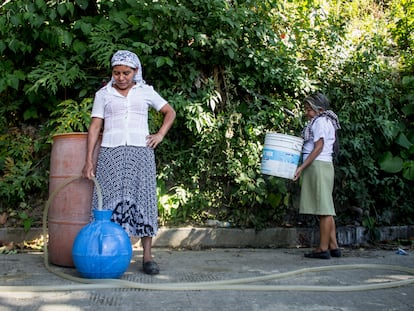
point(126, 164)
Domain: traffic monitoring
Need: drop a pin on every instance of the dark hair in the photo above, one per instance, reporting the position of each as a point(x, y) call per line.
point(318, 101)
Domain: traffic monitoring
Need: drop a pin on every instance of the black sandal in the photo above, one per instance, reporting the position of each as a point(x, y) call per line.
point(319, 255)
point(150, 267)
point(336, 252)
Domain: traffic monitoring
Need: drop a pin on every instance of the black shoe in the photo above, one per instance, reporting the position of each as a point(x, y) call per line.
point(336, 252)
point(150, 267)
point(319, 255)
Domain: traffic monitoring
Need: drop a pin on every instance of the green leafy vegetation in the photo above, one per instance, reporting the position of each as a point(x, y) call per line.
point(233, 70)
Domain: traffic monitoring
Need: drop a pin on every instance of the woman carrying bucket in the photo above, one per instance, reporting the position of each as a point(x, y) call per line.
point(317, 173)
point(125, 168)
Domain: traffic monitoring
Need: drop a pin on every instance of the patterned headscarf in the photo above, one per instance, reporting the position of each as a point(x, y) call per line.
point(131, 60)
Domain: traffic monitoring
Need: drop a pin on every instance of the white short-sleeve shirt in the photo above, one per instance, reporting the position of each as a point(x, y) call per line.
point(125, 118)
point(321, 128)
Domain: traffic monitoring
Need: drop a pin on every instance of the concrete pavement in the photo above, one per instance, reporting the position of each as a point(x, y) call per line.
point(333, 289)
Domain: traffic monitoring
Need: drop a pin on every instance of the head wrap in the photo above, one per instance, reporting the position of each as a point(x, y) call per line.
point(127, 58)
point(319, 102)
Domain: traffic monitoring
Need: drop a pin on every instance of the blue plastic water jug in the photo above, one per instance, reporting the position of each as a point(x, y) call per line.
point(102, 249)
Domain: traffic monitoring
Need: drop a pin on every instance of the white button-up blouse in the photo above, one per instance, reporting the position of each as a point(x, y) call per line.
point(322, 128)
point(125, 118)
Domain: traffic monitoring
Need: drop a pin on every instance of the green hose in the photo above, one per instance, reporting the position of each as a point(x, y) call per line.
point(241, 284)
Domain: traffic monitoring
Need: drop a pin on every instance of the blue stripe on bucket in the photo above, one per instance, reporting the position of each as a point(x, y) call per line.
point(280, 156)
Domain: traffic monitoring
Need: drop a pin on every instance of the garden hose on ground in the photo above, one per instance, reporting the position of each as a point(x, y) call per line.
point(241, 284)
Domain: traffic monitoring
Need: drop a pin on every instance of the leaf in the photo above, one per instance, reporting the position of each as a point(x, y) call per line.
point(230, 52)
point(403, 141)
point(70, 7)
point(408, 171)
point(159, 61)
point(67, 38)
point(52, 14)
point(27, 224)
point(2, 46)
point(134, 20)
point(85, 27)
point(408, 109)
point(30, 113)
point(408, 80)
point(54, 74)
point(13, 81)
point(83, 4)
point(390, 164)
point(40, 4)
point(83, 93)
point(61, 9)
point(274, 199)
point(23, 215)
point(79, 46)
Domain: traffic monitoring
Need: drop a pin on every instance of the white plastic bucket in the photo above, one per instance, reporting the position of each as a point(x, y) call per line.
point(281, 155)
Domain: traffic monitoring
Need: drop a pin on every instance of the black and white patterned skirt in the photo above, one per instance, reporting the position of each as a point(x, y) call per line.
point(126, 175)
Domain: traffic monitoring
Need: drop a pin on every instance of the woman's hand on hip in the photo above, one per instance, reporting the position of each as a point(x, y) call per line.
point(154, 140)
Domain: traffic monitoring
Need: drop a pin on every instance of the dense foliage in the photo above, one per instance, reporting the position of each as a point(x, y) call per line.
point(233, 70)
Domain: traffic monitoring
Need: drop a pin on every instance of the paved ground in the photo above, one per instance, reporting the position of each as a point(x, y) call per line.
point(334, 289)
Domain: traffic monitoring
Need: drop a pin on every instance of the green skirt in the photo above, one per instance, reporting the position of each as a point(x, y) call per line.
point(316, 190)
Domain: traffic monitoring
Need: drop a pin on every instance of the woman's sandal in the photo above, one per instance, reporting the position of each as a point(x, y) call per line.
point(336, 252)
point(150, 267)
point(319, 255)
